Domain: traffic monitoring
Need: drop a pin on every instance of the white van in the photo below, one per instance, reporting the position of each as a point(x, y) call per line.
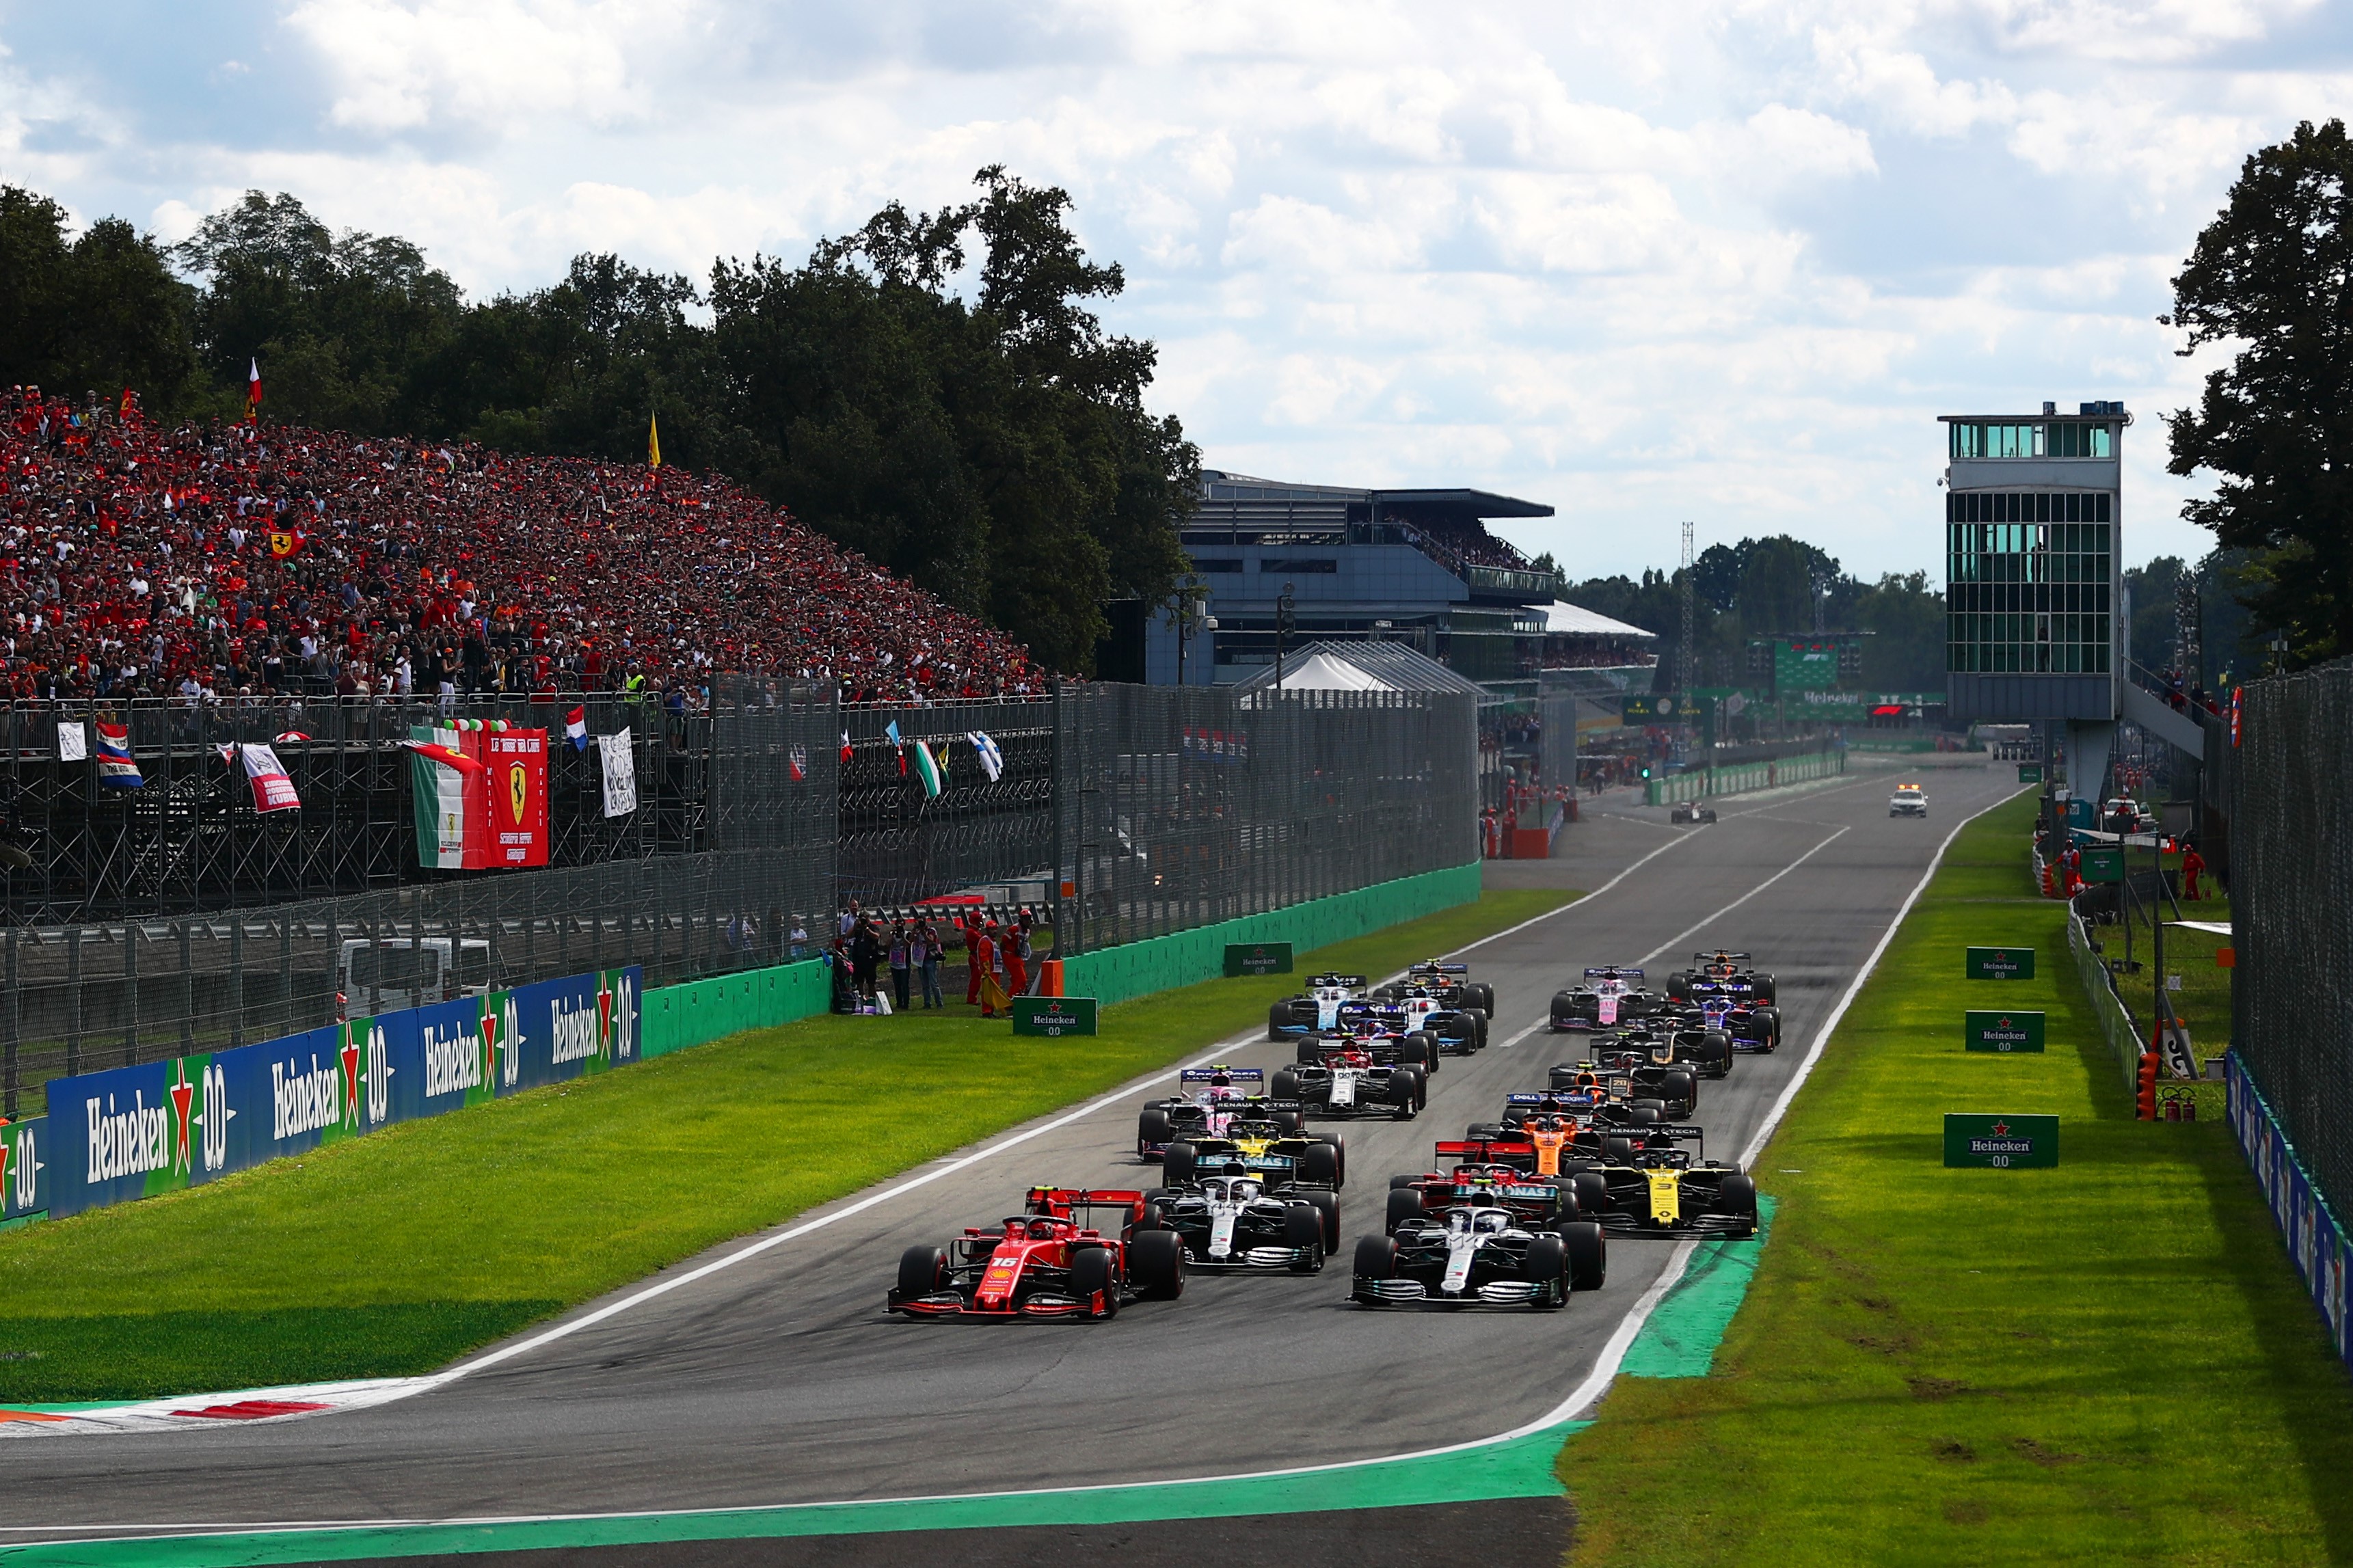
point(409, 974)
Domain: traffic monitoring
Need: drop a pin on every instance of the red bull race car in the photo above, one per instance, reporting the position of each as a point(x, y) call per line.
point(1478, 1254)
point(1611, 998)
point(1347, 1081)
point(1050, 1260)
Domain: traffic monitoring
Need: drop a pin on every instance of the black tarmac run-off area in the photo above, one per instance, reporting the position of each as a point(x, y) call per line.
point(782, 1381)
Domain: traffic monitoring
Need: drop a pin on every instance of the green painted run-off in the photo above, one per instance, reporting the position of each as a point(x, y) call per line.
point(1684, 1330)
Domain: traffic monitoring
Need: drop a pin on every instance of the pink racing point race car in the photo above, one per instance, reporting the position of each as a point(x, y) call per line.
point(1048, 1261)
point(1212, 1100)
point(1610, 996)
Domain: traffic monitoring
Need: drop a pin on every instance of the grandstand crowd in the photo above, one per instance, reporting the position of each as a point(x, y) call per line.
point(206, 563)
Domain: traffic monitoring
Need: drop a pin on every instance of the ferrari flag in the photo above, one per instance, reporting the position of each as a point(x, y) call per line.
point(481, 793)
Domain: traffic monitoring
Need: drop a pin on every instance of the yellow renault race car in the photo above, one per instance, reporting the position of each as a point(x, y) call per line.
point(1654, 1188)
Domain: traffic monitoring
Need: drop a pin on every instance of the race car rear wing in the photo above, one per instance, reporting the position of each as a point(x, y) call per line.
point(1351, 981)
point(1484, 1151)
point(1070, 1202)
point(1613, 971)
point(1721, 956)
point(1434, 967)
point(1232, 1075)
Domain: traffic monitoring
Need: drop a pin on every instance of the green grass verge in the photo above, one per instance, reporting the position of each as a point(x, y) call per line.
point(2111, 1361)
point(392, 1254)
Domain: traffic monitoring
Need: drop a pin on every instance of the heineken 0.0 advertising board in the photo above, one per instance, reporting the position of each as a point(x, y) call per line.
point(2001, 1142)
point(2002, 1032)
point(2000, 963)
point(2029, 772)
point(2102, 863)
point(24, 1168)
point(1257, 958)
point(1053, 1016)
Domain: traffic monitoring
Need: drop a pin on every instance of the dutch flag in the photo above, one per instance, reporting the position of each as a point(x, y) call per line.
point(575, 729)
point(116, 769)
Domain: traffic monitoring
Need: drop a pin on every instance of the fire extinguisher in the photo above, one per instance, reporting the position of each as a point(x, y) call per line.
point(2173, 1108)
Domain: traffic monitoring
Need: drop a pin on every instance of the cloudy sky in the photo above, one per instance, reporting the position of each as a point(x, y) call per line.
point(1643, 262)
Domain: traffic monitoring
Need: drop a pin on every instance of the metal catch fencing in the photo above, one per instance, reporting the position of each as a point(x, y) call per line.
point(2290, 809)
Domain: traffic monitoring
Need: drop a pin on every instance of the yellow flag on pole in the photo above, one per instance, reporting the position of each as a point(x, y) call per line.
point(653, 442)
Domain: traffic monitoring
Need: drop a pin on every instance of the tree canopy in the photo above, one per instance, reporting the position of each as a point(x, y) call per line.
point(934, 390)
point(2273, 274)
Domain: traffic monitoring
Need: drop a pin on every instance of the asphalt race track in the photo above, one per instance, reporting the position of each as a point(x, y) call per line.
point(781, 1380)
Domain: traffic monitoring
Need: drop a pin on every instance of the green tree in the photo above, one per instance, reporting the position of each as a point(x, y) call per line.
point(93, 314)
point(2273, 273)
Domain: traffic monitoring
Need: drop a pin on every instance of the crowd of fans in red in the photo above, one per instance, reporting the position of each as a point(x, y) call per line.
point(1457, 545)
point(212, 563)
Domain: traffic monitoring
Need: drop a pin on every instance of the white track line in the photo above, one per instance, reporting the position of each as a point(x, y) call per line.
point(1743, 899)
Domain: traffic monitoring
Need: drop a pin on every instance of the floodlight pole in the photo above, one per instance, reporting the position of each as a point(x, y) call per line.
point(1284, 606)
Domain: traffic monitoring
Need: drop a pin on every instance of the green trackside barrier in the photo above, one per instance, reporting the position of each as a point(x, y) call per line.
point(1740, 778)
point(674, 1017)
point(1164, 963)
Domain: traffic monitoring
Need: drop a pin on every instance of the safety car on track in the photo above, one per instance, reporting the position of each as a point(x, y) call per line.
point(1610, 996)
point(1237, 1222)
point(1050, 1260)
point(1346, 1079)
point(1478, 1253)
point(1909, 800)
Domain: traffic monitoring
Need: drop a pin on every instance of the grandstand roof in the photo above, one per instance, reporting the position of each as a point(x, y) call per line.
point(1562, 619)
point(1362, 666)
point(1217, 485)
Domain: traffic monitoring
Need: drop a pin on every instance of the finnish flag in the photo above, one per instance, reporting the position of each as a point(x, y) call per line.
point(992, 761)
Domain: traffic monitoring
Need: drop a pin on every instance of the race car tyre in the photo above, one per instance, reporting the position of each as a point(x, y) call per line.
point(1643, 1116)
point(1154, 1218)
point(1421, 1088)
point(1681, 1085)
point(1738, 1195)
point(1338, 1144)
point(1095, 1273)
point(1420, 1050)
point(1766, 989)
point(1645, 1102)
point(1405, 1203)
point(1768, 1020)
point(1679, 984)
point(1563, 1007)
point(920, 1271)
point(1719, 1047)
point(1155, 1265)
point(1592, 1190)
point(1288, 1122)
point(1176, 1165)
point(1405, 1091)
point(1546, 1264)
point(1589, 1254)
point(1327, 1210)
point(1285, 1085)
point(1614, 1150)
point(1478, 1017)
point(1483, 997)
point(1153, 1126)
point(1319, 1166)
point(1376, 1257)
point(1276, 1017)
point(1303, 1228)
point(1310, 1052)
point(1401, 1181)
point(1385, 993)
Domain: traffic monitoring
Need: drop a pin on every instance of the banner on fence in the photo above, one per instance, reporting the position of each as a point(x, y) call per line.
point(618, 754)
point(131, 1132)
point(481, 795)
point(2315, 1240)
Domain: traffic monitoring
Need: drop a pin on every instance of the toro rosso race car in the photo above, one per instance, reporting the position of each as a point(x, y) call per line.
point(1048, 1261)
point(1653, 1188)
point(1276, 1154)
point(1214, 1097)
point(1750, 1025)
point(1347, 1081)
point(1420, 1009)
point(1730, 971)
point(1477, 1254)
point(1609, 998)
point(1315, 1010)
point(1234, 1222)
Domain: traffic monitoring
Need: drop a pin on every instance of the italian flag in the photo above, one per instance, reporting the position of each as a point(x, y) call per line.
point(438, 786)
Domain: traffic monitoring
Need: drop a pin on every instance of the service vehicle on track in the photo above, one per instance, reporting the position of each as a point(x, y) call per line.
point(1275, 1152)
point(1478, 1253)
point(1909, 800)
point(1729, 972)
point(1235, 1222)
point(1048, 1261)
point(1317, 1009)
point(1346, 1079)
point(1693, 812)
point(1213, 1097)
point(1655, 1188)
point(1612, 994)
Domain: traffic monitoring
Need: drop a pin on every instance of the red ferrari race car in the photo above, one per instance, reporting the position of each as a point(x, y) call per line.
point(1048, 1261)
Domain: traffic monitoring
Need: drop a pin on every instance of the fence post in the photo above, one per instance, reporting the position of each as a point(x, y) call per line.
point(130, 992)
point(187, 993)
point(235, 979)
point(13, 1021)
point(73, 1001)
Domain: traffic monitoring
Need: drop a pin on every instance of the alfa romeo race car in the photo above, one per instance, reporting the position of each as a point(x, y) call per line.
point(1315, 1009)
point(1347, 1081)
point(1477, 1255)
point(1234, 1222)
point(1392, 1033)
point(1608, 997)
point(1048, 1261)
point(1634, 1078)
point(1732, 972)
point(1692, 810)
point(1657, 1189)
point(1277, 1154)
point(1214, 1098)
